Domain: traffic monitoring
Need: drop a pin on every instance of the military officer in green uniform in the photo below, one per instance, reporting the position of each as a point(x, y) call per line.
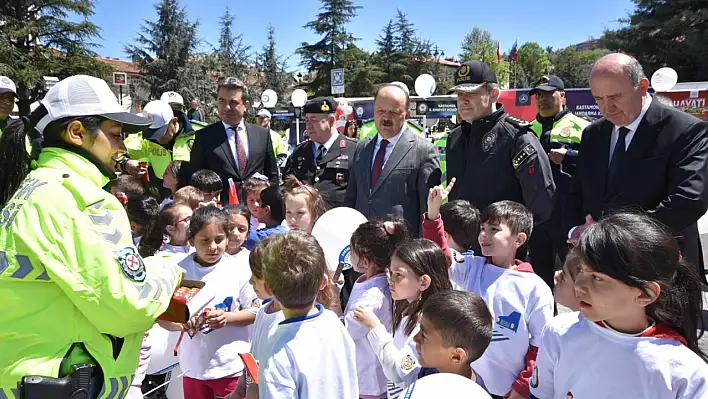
point(560, 132)
point(325, 159)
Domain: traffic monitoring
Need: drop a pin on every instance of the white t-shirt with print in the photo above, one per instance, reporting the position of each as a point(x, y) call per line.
point(397, 355)
point(580, 359)
point(215, 355)
point(521, 304)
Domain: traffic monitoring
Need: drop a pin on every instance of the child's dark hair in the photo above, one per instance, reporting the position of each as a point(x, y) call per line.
point(292, 187)
point(462, 319)
point(516, 216)
point(131, 186)
point(422, 257)
point(272, 196)
point(207, 215)
point(255, 258)
point(636, 249)
point(377, 239)
point(233, 209)
point(151, 241)
point(252, 185)
point(461, 220)
point(293, 267)
point(142, 211)
point(206, 180)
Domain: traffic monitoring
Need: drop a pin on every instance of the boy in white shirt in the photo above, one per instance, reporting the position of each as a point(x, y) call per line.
point(519, 300)
point(310, 355)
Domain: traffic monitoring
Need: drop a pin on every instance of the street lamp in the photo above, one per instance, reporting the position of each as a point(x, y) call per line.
point(298, 98)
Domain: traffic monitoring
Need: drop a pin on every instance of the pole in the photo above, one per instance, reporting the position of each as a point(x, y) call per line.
point(516, 72)
point(297, 129)
point(120, 91)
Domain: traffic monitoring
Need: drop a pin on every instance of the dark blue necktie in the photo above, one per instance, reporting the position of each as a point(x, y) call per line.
point(618, 156)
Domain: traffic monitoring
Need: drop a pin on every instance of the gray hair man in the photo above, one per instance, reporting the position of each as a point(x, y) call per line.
point(643, 155)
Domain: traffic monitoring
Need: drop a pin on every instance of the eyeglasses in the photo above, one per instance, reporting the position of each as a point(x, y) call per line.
point(185, 220)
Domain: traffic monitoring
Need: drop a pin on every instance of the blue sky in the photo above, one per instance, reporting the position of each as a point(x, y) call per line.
point(557, 23)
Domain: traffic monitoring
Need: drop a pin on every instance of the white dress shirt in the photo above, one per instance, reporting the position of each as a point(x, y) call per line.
point(389, 149)
point(327, 144)
point(632, 129)
point(231, 136)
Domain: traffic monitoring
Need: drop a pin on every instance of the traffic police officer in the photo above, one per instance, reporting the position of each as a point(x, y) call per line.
point(560, 132)
point(493, 155)
point(8, 93)
point(159, 147)
point(325, 159)
point(74, 288)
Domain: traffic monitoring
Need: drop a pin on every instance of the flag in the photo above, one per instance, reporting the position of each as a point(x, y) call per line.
point(515, 52)
point(498, 54)
point(233, 194)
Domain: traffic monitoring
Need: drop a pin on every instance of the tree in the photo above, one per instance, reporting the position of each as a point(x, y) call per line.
point(36, 40)
point(232, 53)
point(479, 45)
point(574, 66)
point(386, 52)
point(362, 74)
point(533, 62)
point(274, 76)
point(321, 57)
point(665, 33)
point(405, 41)
point(164, 47)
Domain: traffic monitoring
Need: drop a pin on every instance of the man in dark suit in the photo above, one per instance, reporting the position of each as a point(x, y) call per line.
point(642, 155)
point(395, 169)
point(324, 160)
point(232, 147)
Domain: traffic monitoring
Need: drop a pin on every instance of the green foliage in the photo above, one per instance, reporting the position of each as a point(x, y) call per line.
point(533, 62)
point(37, 40)
point(274, 74)
point(361, 76)
point(479, 45)
point(666, 33)
point(321, 57)
point(163, 48)
point(574, 66)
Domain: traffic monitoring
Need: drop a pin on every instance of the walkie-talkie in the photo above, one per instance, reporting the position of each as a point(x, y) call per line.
point(77, 385)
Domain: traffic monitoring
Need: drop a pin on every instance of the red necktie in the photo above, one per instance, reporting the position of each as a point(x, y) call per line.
point(378, 163)
point(240, 153)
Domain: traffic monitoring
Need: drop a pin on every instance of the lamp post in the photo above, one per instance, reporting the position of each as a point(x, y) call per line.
point(298, 98)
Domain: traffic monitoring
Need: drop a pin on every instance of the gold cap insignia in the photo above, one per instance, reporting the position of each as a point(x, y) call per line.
point(325, 106)
point(463, 71)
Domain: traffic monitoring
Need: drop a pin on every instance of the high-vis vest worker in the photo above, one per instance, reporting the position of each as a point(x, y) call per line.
point(440, 144)
point(566, 131)
point(71, 280)
point(157, 156)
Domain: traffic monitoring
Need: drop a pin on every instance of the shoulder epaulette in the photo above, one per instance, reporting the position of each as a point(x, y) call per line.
point(519, 123)
point(301, 145)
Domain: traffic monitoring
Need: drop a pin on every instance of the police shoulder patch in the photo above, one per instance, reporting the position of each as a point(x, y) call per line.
point(522, 155)
point(131, 264)
point(519, 123)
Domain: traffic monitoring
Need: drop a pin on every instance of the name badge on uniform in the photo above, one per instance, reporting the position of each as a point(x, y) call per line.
point(339, 178)
point(489, 140)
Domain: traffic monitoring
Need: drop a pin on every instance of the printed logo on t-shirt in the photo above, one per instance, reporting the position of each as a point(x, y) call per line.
point(534, 378)
point(407, 363)
point(255, 303)
point(510, 322)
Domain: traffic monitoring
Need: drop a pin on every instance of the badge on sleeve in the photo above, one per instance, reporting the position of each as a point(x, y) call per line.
point(131, 264)
point(407, 363)
point(489, 140)
point(525, 152)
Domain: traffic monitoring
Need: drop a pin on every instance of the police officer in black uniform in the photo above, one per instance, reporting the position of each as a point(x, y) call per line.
point(324, 160)
point(493, 155)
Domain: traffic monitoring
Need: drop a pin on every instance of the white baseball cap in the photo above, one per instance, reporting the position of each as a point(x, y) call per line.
point(264, 113)
point(82, 95)
point(7, 86)
point(160, 113)
point(172, 97)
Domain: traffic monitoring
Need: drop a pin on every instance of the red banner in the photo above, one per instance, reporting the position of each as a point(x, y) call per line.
point(692, 102)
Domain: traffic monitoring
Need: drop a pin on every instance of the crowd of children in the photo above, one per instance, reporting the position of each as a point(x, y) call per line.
point(457, 301)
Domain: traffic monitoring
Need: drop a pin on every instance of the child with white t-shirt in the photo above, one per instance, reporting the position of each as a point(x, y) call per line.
point(210, 359)
point(636, 335)
point(519, 300)
point(170, 233)
point(372, 246)
point(418, 270)
point(310, 354)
